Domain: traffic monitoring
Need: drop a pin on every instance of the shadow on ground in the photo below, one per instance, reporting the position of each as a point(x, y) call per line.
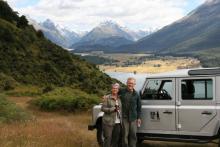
point(171, 144)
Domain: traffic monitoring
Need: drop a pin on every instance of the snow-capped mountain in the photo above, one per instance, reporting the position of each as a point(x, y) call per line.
point(55, 33)
point(61, 36)
point(105, 30)
point(106, 35)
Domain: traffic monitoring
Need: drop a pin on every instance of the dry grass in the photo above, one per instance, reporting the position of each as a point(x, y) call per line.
point(48, 130)
point(55, 129)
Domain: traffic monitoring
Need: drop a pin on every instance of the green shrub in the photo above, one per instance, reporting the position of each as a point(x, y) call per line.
point(68, 99)
point(9, 112)
point(7, 82)
point(48, 88)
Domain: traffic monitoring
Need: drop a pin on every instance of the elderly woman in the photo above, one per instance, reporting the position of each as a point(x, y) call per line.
point(112, 118)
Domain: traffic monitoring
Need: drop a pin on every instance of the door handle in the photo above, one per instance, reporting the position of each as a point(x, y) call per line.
point(167, 112)
point(178, 103)
point(207, 113)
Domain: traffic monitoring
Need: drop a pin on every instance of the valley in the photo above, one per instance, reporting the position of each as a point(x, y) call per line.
point(142, 63)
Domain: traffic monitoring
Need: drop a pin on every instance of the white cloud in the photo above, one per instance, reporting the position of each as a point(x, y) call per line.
point(85, 14)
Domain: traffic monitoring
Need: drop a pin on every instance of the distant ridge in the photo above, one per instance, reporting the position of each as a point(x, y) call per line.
point(196, 34)
point(197, 31)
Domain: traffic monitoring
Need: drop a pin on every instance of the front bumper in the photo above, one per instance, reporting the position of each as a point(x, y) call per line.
point(91, 127)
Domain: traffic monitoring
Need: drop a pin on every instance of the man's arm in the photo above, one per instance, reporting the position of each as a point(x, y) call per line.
point(138, 107)
point(138, 111)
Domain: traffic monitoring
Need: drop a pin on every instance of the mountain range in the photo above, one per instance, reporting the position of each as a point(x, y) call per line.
point(196, 32)
point(107, 36)
point(193, 35)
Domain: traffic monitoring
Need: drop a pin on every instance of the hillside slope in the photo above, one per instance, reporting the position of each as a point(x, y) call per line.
point(26, 57)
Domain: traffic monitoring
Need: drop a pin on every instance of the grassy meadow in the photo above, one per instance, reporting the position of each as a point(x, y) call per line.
point(56, 128)
point(153, 66)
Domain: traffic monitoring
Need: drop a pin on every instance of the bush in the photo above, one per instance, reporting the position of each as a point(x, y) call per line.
point(6, 35)
point(66, 99)
point(7, 82)
point(48, 88)
point(9, 112)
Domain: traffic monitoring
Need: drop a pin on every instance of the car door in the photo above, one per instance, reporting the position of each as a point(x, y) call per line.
point(158, 106)
point(196, 106)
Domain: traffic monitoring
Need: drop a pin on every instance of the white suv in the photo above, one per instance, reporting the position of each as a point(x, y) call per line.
point(178, 106)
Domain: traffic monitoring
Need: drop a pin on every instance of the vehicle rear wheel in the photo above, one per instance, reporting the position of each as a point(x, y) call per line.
point(99, 135)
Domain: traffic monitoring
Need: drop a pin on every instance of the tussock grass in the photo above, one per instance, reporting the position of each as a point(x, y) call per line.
point(24, 90)
point(9, 112)
point(49, 130)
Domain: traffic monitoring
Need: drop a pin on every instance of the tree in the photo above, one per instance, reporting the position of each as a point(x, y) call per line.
point(22, 22)
point(7, 13)
point(40, 34)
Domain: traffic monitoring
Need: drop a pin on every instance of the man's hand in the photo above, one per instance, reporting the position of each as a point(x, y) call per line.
point(104, 98)
point(139, 122)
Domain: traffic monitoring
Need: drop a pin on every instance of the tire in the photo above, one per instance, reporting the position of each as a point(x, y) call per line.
point(139, 142)
point(99, 134)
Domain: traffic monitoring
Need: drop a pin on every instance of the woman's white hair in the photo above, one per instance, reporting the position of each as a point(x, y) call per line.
point(116, 85)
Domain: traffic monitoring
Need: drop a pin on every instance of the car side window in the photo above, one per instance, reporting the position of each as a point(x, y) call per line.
point(158, 90)
point(197, 89)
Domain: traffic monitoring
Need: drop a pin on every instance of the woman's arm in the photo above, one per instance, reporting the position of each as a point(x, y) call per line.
point(107, 108)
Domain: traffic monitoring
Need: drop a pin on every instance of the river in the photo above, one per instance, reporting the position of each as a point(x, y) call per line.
point(122, 76)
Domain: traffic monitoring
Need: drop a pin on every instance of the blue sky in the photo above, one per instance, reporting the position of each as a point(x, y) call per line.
point(83, 15)
point(26, 3)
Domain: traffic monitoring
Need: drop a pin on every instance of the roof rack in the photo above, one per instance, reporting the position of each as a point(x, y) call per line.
point(205, 71)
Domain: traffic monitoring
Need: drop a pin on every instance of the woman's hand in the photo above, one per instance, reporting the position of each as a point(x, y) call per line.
point(139, 122)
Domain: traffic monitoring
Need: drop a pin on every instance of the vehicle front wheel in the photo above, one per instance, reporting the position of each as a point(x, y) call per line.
point(139, 142)
point(219, 142)
point(99, 135)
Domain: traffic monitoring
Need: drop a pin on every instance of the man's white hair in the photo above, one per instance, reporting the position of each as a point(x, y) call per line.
point(131, 78)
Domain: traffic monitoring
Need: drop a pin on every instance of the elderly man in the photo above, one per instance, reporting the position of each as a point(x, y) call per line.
point(131, 111)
